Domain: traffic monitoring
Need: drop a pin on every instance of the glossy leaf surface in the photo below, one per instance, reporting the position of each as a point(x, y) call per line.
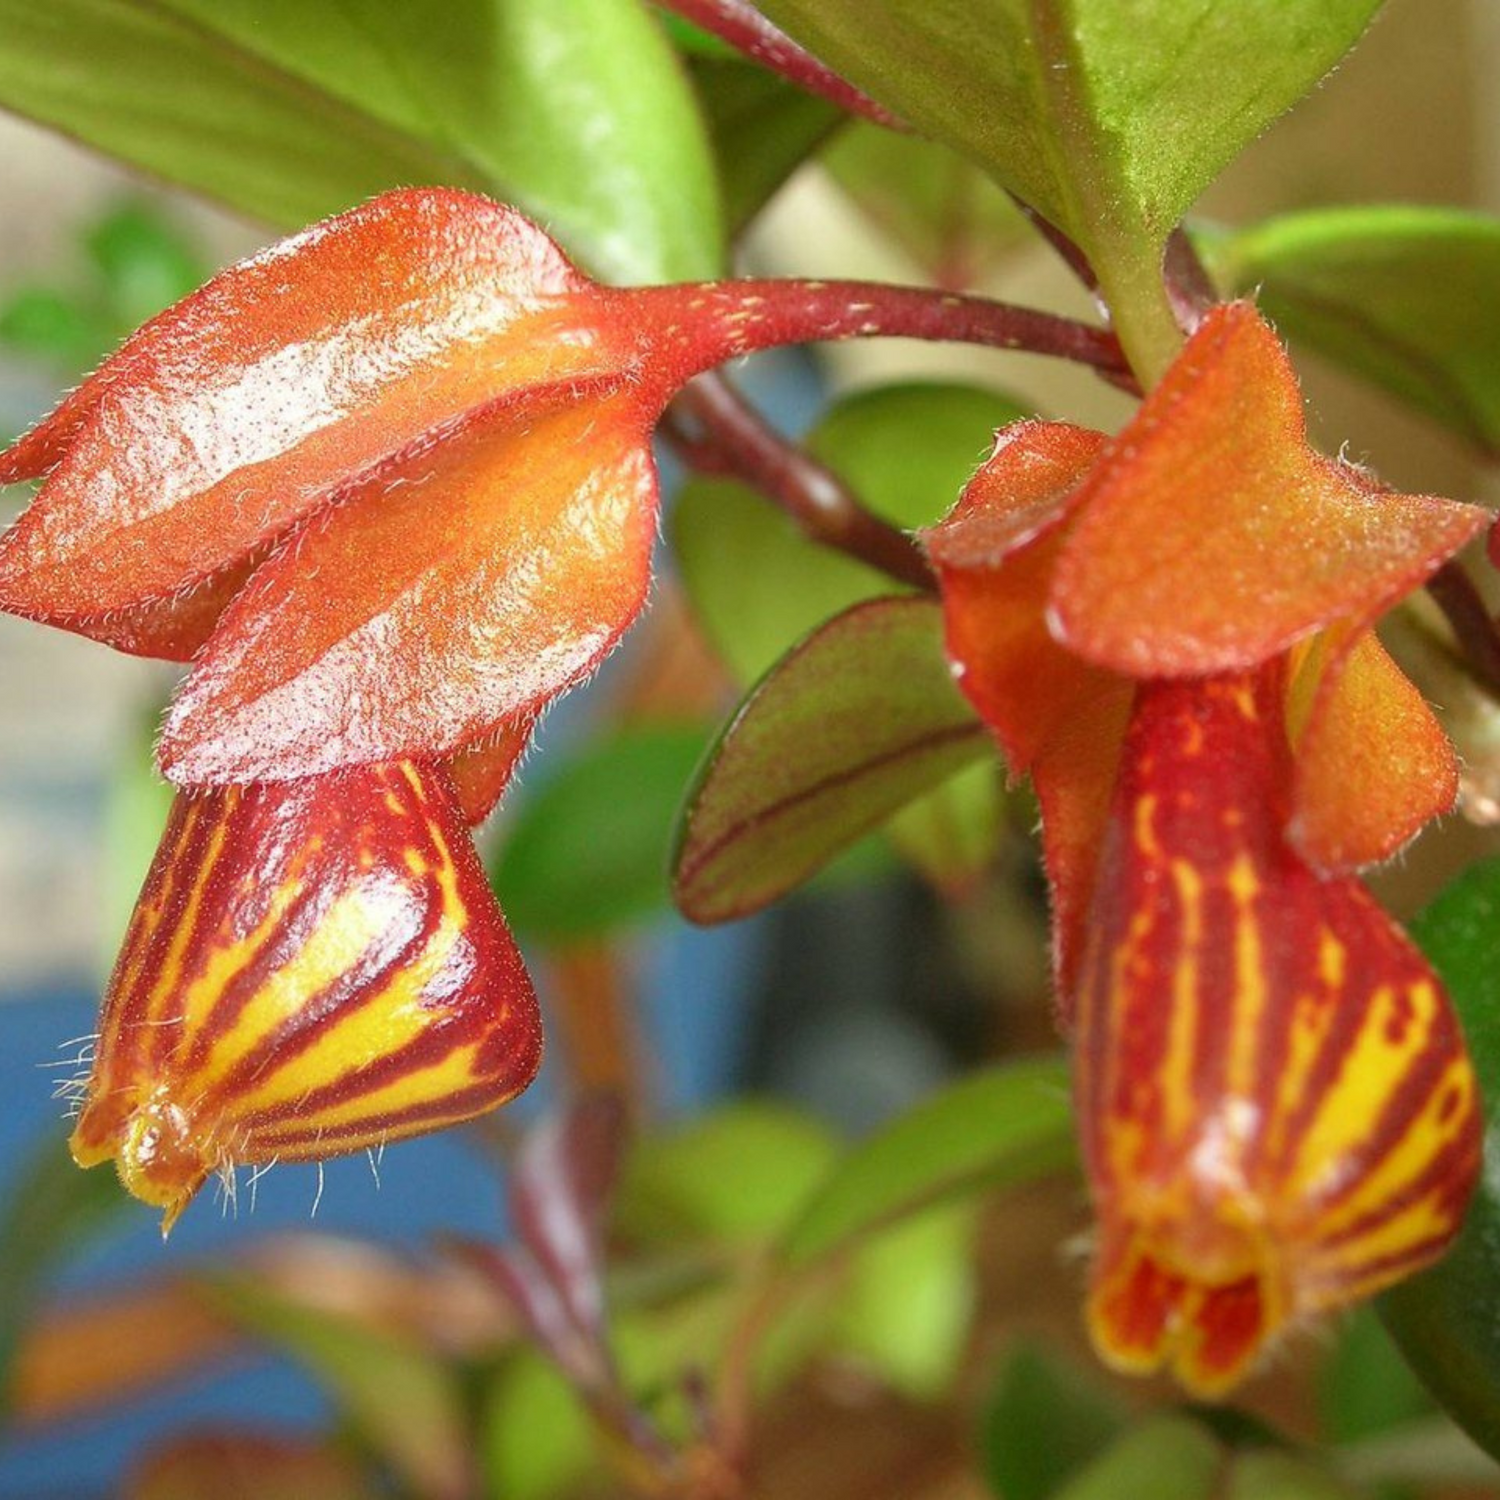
point(1402, 294)
point(852, 724)
point(1005, 1125)
point(758, 584)
point(1447, 1320)
point(1109, 119)
point(557, 880)
point(463, 589)
point(291, 113)
point(311, 969)
point(1276, 1108)
point(1210, 536)
point(288, 379)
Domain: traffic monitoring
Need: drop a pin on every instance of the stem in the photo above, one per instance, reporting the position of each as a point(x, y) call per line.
point(747, 31)
point(734, 438)
point(1134, 290)
point(703, 324)
point(1474, 628)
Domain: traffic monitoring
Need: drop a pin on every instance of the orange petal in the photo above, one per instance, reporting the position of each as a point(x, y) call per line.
point(1054, 715)
point(1277, 1112)
point(312, 968)
point(465, 590)
point(994, 555)
point(482, 772)
point(1210, 537)
point(233, 415)
point(1373, 763)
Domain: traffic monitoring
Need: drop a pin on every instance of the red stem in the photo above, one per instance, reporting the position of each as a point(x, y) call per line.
point(747, 31)
point(718, 431)
point(697, 325)
point(1475, 630)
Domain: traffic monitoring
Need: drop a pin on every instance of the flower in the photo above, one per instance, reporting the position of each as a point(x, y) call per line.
point(1170, 632)
point(387, 485)
point(313, 967)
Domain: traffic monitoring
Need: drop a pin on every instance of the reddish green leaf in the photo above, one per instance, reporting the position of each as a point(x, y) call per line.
point(237, 1465)
point(850, 725)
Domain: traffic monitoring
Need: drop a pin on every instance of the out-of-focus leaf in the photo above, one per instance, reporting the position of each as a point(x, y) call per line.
point(1272, 1474)
point(404, 1403)
point(1005, 1125)
point(852, 724)
point(941, 209)
point(587, 853)
point(291, 112)
point(1109, 118)
point(762, 129)
point(1165, 1458)
point(953, 833)
point(1045, 1420)
point(143, 262)
point(1447, 1319)
point(1407, 296)
point(1364, 1385)
point(758, 585)
point(234, 1465)
point(735, 1174)
point(51, 1210)
point(535, 1437)
point(907, 1304)
point(45, 323)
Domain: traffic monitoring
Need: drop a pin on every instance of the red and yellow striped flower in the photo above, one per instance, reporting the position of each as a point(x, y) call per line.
point(1277, 1112)
point(1170, 631)
point(313, 967)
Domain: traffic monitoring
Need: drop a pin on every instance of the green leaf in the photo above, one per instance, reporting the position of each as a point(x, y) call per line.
point(587, 853)
point(1005, 1125)
point(290, 111)
point(144, 262)
point(762, 130)
point(1272, 1474)
point(946, 214)
point(536, 1439)
point(850, 725)
point(1447, 1319)
point(1406, 296)
point(404, 1403)
point(1108, 118)
point(736, 1174)
point(1364, 1386)
point(953, 833)
point(1045, 1420)
point(43, 322)
point(51, 1211)
point(908, 1301)
point(758, 585)
point(1165, 1458)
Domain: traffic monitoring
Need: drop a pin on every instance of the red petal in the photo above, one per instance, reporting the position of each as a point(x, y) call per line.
point(1373, 763)
point(231, 416)
point(1211, 537)
point(312, 968)
point(1277, 1112)
point(466, 588)
point(482, 772)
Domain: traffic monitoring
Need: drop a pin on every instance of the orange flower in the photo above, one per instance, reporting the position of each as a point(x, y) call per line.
point(1170, 631)
point(313, 967)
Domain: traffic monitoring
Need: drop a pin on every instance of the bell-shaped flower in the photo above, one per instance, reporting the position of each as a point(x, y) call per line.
point(1277, 1113)
point(313, 967)
point(1198, 829)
